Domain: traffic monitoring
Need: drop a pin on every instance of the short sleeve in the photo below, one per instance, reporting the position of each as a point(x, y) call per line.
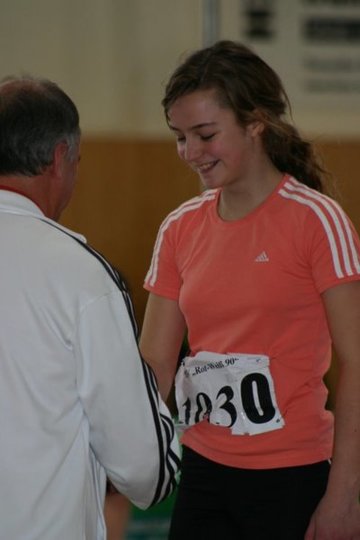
point(163, 277)
point(334, 246)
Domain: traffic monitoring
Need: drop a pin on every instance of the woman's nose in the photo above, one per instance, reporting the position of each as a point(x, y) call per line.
point(192, 150)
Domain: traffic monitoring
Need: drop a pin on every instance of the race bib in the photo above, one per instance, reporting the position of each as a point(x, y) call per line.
point(229, 390)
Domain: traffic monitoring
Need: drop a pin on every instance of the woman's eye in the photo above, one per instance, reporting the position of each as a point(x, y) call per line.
point(207, 137)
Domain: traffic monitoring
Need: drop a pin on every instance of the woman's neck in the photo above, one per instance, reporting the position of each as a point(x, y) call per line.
point(238, 201)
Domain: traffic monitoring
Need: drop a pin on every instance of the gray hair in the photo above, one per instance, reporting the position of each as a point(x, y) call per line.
point(35, 116)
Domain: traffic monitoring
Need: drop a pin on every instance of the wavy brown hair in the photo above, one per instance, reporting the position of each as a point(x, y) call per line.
point(250, 87)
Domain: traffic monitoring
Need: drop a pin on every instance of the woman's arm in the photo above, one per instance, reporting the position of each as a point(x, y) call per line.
point(338, 514)
point(161, 338)
point(117, 512)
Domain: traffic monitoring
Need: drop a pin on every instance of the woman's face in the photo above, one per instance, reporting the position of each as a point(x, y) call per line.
point(211, 141)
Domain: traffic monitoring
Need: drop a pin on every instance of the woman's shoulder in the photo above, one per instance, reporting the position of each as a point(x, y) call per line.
point(193, 207)
point(303, 195)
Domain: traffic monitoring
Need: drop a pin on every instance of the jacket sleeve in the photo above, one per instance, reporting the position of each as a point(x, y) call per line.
point(130, 428)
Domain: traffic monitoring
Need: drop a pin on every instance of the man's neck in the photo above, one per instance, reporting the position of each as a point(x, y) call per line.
point(31, 187)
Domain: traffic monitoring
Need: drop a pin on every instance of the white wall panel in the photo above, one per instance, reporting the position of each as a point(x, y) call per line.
point(112, 56)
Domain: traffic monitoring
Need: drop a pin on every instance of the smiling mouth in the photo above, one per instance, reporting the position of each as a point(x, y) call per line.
point(205, 167)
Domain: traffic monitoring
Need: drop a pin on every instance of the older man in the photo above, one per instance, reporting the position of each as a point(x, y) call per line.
point(77, 403)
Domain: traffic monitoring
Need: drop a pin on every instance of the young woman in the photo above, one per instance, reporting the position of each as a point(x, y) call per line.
point(262, 271)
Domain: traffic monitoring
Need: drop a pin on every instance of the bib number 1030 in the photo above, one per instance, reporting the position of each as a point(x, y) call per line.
point(234, 391)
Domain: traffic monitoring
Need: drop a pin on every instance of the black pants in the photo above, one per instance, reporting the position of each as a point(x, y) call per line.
point(216, 502)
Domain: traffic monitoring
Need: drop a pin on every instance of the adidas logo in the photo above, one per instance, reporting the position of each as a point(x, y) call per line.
point(262, 257)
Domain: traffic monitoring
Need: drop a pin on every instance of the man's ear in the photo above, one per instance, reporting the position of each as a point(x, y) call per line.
point(59, 156)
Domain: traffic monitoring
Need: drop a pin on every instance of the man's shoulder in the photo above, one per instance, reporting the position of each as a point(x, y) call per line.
point(67, 255)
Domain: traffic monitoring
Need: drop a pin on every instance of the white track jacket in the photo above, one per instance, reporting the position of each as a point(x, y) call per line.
point(77, 403)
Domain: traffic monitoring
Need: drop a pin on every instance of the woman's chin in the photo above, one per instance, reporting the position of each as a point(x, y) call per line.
point(209, 182)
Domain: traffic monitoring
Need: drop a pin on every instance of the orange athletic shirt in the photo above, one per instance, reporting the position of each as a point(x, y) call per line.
point(254, 286)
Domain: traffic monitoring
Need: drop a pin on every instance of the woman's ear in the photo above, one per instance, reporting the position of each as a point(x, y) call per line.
point(256, 128)
point(257, 125)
